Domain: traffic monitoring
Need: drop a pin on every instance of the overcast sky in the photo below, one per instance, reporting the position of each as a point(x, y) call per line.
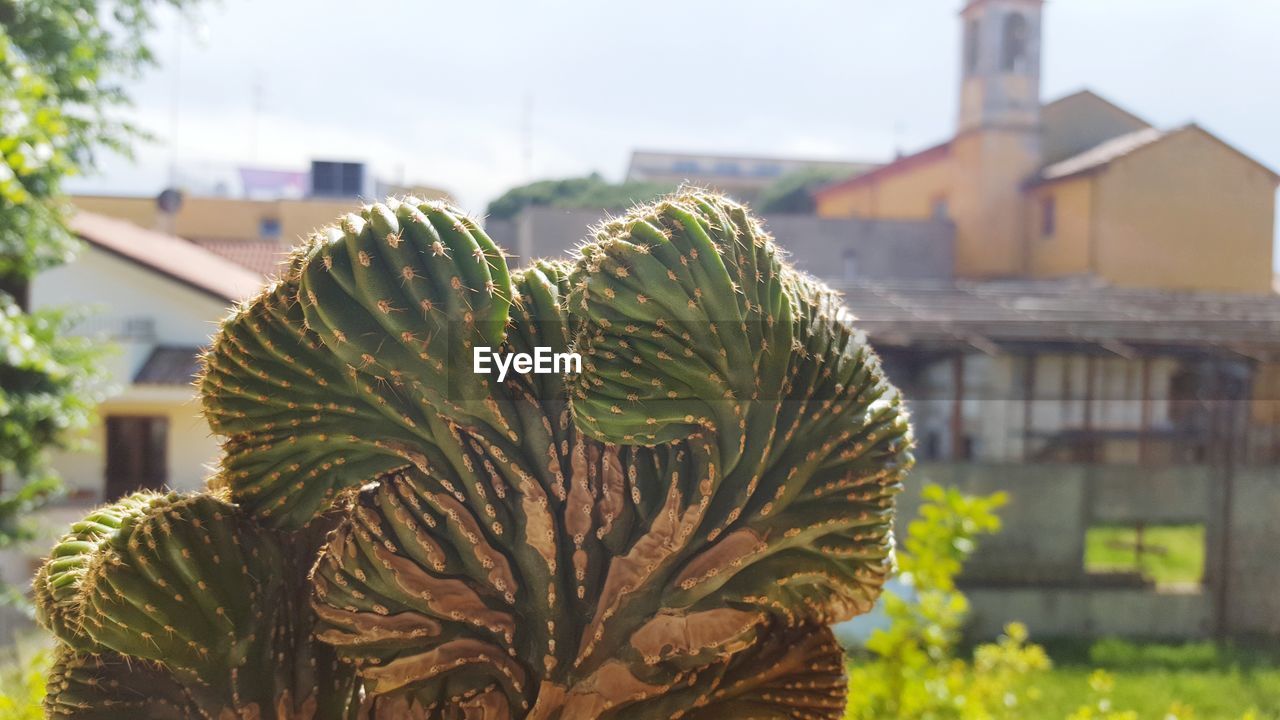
point(442, 93)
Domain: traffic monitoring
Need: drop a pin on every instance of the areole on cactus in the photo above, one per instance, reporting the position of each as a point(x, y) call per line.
point(667, 533)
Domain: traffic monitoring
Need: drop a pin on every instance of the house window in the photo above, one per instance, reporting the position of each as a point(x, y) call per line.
point(971, 47)
point(1048, 217)
point(1014, 55)
point(269, 228)
point(849, 263)
point(138, 327)
point(940, 209)
point(137, 454)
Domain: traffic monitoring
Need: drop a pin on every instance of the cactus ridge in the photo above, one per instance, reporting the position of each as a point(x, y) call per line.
point(665, 534)
point(58, 582)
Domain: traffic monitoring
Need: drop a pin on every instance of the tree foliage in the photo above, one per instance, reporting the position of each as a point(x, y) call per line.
point(47, 381)
point(62, 63)
point(591, 193)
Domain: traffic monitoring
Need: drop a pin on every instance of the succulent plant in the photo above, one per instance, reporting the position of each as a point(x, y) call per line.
point(666, 533)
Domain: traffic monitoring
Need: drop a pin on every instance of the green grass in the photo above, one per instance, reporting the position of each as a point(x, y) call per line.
point(1110, 548)
point(1217, 681)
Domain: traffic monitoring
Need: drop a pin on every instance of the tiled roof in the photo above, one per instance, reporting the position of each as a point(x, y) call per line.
point(168, 255)
point(1079, 311)
point(261, 256)
point(1102, 154)
point(168, 365)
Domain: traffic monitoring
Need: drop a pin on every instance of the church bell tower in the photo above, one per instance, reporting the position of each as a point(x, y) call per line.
point(997, 144)
point(1000, 67)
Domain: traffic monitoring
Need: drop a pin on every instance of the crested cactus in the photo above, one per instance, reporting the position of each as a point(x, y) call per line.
point(666, 533)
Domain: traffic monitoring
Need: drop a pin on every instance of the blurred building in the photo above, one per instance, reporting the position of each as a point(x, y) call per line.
point(157, 275)
point(1079, 186)
point(738, 175)
point(157, 299)
point(1079, 309)
point(1107, 353)
point(254, 215)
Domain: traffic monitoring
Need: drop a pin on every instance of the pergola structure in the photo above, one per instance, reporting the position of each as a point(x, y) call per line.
point(1221, 408)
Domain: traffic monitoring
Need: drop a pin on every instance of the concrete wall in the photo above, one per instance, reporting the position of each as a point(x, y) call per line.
point(1090, 612)
point(880, 248)
point(1253, 567)
point(1052, 505)
point(1044, 522)
point(1032, 571)
point(542, 232)
point(900, 249)
point(1170, 494)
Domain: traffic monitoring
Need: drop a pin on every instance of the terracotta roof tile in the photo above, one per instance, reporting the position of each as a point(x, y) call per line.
point(261, 256)
point(169, 255)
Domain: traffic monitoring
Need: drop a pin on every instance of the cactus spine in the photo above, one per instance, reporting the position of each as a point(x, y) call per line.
point(665, 534)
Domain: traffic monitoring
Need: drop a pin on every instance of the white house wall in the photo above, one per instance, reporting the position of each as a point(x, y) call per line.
point(120, 291)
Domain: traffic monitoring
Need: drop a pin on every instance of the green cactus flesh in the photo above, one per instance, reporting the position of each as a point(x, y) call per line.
point(665, 534)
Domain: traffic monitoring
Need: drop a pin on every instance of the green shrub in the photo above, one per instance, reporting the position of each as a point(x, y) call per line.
point(22, 680)
point(913, 669)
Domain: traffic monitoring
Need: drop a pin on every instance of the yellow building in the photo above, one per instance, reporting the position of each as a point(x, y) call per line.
point(256, 234)
point(1079, 186)
point(230, 218)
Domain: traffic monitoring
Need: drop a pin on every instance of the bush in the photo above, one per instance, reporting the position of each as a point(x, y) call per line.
point(913, 670)
point(916, 670)
point(22, 672)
